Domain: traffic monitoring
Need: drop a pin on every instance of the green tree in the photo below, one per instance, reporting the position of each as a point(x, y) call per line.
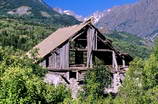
point(132, 89)
point(140, 84)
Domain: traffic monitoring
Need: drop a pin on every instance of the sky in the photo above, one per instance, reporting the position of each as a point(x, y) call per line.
point(86, 7)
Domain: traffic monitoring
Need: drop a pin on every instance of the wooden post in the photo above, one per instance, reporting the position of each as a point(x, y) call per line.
point(123, 62)
point(77, 76)
point(91, 60)
point(67, 48)
point(55, 60)
point(114, 61)
point(91, 45)
point(95, 40)
point(68, 75)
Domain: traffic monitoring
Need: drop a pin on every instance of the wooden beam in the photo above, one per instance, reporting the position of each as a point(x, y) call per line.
point(108, 45)
point(103, 50)
point(69, 69)
point(96, 50)
point(78, 49)
point(77, 35)
point(82, 39)
point(104, 41)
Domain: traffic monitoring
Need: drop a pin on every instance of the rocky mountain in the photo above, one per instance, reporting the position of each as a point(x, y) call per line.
point(34, 10)
point(98, 15)
point(140, 18)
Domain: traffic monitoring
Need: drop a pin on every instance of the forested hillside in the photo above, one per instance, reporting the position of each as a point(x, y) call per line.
point(34, 11)
point(22, 35)
point(128, 43)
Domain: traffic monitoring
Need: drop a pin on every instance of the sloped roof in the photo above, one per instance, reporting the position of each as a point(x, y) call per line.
point(57, 38)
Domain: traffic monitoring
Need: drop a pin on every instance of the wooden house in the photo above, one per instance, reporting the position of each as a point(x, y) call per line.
point(72, 50)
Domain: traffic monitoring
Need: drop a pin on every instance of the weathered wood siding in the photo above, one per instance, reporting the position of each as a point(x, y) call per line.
point(59, 59)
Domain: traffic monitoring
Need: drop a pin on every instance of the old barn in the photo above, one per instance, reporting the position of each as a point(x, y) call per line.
point(71, 51)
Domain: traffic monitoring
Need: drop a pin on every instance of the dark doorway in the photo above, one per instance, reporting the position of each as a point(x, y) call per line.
point(72, 74)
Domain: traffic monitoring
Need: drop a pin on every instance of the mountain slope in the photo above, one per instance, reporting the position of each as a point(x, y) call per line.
point(139, 18)
point(34, 10)
point(128, 43)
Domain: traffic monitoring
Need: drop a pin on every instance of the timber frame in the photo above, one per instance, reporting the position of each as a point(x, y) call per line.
point(77, 49)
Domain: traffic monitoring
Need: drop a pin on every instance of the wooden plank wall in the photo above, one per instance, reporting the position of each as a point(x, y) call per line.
point(64, 57)
point(59, 59)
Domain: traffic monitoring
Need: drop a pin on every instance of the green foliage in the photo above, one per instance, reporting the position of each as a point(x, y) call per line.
point(151, 72)
point(22, 36)
point(21, 82)
point(132, 49)
point(140, 85)
point(132, 89)
point(95, 82)
point(151, 96)
point(13, 58)
point(156, 49)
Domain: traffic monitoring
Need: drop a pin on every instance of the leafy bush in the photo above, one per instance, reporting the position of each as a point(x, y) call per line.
point(21, 82)
point(95, 82)
point(132, 89)
point(140, 85)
